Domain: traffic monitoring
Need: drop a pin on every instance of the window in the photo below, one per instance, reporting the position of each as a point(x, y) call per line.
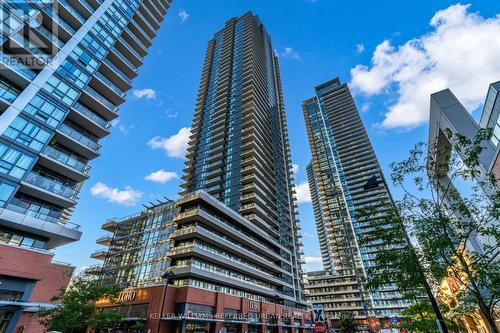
point(73, 74)
point(13, 162)
point(45, 111)
point(6, 191)
point(27, 133)
point(8, 91)
point(61, 90)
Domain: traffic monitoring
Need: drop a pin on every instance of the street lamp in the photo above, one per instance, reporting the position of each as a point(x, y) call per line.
point(167, 276)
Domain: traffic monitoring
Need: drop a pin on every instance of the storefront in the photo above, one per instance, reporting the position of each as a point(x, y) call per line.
point(194, 310)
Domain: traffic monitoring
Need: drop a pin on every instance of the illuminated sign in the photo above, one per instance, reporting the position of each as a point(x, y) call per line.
point(127, 296)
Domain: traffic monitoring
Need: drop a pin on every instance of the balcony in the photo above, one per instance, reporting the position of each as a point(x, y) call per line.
point(110, 226)
point(49, 189)
point(134, 41)
point(94, 270)
point(100, 103)
point(15, 71)
point(64, 30)
point(127, 67)
point(83, 7)
point(78, 141)
point(99, 254)
point(70, 14)
point(156, 21)
point(49, 36)
point(64, 164)
point(104, 240)
point(56, 231)
point(126, 48)
point(110, 70)
point(90, 120)
point(146, 26)
point(108, 88)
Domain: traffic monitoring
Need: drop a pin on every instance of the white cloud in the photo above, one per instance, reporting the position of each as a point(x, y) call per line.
point(126, 197)
point(460, 53)
point(161, 176)
point(360, 48)
point(308, 234)
point(183, 15)
point(312, 260)
point(365, 107)
point(295, 168)
point(147, 93)
point(290, 53)
point(303, 194)
point(175, 145)
point(171, 114)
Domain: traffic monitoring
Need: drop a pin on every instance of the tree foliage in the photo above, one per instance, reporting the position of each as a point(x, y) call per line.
point(347, 323)
point(76, 310)
point(446, 223)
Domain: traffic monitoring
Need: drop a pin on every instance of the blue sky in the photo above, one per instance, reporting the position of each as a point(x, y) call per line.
point(390, 51)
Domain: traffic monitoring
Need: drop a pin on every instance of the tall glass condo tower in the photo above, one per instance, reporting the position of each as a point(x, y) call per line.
point(344, 176)
point(65, 67)
point(239, 150)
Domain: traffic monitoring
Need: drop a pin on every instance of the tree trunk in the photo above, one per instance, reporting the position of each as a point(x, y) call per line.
point(490, 321)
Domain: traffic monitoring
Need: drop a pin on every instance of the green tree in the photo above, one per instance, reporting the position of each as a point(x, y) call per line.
point(347, 323)
point(76, 310)
point(446, 224)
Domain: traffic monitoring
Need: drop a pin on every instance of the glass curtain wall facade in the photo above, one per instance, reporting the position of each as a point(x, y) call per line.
point(136, 254)
point(345, 176)
point(65, 67)
point(239, 151)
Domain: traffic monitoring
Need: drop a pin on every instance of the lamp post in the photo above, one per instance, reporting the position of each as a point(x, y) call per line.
point(167, 276)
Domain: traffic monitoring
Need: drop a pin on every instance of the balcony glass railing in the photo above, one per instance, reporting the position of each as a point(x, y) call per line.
point(50, 36)
point(28, 46)
point(91, 115)
point(118, 71)
point(110, 84)
point(155, 20)
point(66, 159)
point(73, 11)
point(50, 12)
point(51, 185)
point(130, 49)
point(86, 5)
point(103, 100)
point(134, 37)
point(79, 136)
point(10, 61)
point(146, 21)
point(13, 206)
point(125, 60)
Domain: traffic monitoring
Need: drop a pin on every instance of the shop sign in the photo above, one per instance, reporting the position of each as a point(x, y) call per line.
point(254, 306)
point(127, 296)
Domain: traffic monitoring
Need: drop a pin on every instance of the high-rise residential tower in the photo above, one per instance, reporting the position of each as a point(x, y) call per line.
point(344, 177)
point(239, 151)
point(64, 70)
point(236, 248)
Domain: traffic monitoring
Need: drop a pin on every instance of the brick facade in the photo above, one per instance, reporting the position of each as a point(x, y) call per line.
point(220, 302)
point(33, 265)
